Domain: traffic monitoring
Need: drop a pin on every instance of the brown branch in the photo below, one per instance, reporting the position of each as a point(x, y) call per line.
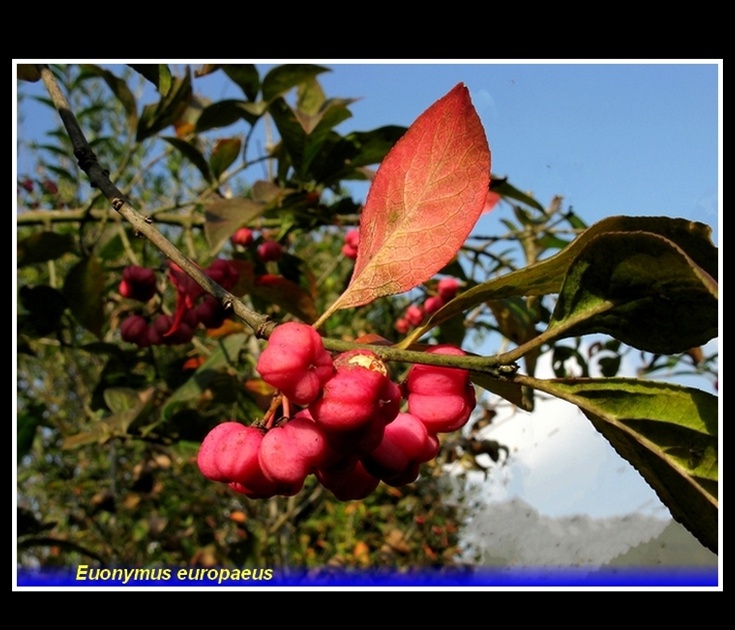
point(74, 215)
point(99, 178)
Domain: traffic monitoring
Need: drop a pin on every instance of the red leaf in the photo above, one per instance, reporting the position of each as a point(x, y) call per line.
point(423, 203)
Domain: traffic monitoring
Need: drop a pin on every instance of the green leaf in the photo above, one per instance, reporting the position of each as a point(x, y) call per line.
point(167, 111)
point(503, 188)
point(547, 276)
point(27, 423)
point(347, 157)
point(222, 356)
point(191, 153)
point(303, 135)
point(43, 246)
point(310, 97)
point(225, 152)
point(283, 78)
point(129, 407)
point(119, 88)
point(158, 74)
point(640, 288)
point(83, 288)
point(120, 399)
point(222, 218)
point(228, 112)
point(511, 391)
point(669, 433)
point(287, 294)
point(246, 76)
point(370, 147)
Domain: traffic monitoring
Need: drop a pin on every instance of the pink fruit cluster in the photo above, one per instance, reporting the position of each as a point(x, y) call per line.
point(193, 306)
point(414, 315)
point(346, 426)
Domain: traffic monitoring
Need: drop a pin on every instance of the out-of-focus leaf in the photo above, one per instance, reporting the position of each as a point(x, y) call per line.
point(43, 246)
point(191, 153)
point(269, 192)
point(84, 287)
point(575, 221)
point(303, 135)
point(228, 112)
point(186, 122)
point(128, 406)
point(222, 218)
point(225, 152)
point(27, 423)
point(167, 111)
point(119, 88)
point(225, 354)
point(425, 199)
point(121, 399)
point(159, 74)
point(283, 78)
point(370, 147)
point(504, 189)
point(667, 432)
point(28, 72)
point(348, 157)
point(548, 275)
point(45, 306)
point(287, 294)
point(246, 76)
point(640, 288)
point(310, 97)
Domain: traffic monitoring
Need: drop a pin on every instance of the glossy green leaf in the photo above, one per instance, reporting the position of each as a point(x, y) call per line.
point(547, 276)
point(640, 288)
point(669, 433)
point(222, 218)
point(83, 288)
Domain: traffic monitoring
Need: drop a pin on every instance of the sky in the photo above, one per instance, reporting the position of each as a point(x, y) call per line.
point(634, 137)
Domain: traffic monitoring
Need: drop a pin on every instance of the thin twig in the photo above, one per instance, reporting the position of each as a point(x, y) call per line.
point(99, 178)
